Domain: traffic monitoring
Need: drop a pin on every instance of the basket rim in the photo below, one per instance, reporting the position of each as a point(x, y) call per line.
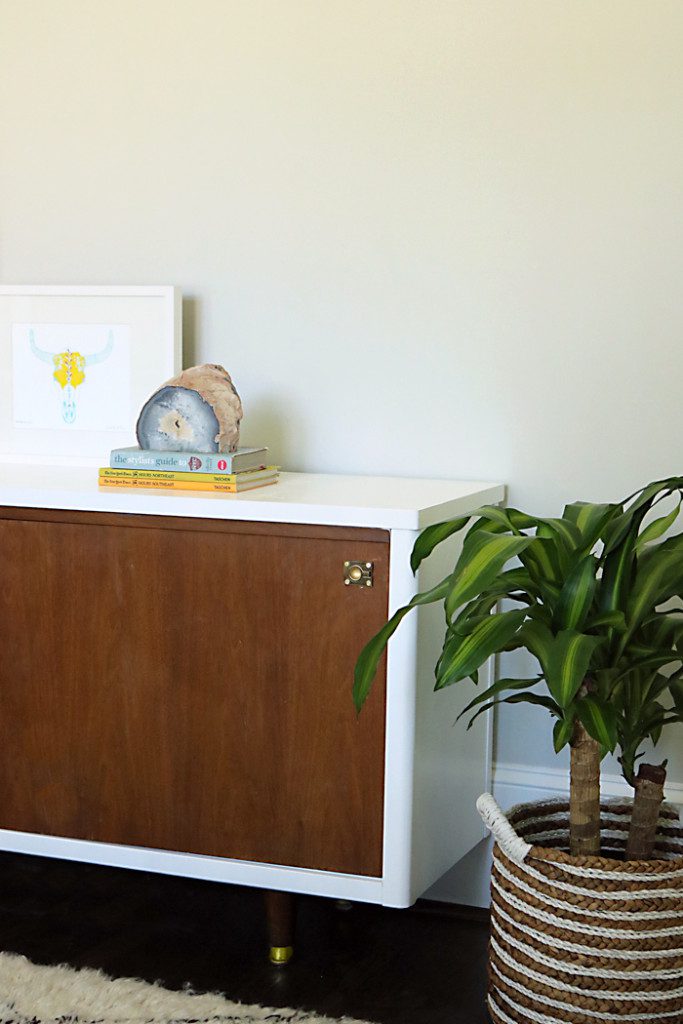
point(547, 854)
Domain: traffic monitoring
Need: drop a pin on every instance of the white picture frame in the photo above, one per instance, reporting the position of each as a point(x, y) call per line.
point(77, 364)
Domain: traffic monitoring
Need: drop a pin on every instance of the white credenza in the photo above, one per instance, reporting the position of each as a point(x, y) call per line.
point(177, 674)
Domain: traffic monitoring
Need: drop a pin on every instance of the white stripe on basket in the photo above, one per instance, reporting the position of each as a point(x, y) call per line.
point(612, 914)
point(539, 838)
point(621, 894)
point(556, 1004)
point(671, 821)
point(554, 983)
point(574, 947)
point(668, 974)
point(558, 826)
point(584, 928)
point(560, 837)
point(542, 1018)
point(561, 818)
point(642, 876)
point(596, 894)
point(557, 804)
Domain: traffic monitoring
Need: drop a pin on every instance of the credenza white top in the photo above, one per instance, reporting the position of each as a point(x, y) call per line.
point(317, 498)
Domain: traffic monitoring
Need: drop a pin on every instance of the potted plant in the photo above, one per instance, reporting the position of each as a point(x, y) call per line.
point(591, 595)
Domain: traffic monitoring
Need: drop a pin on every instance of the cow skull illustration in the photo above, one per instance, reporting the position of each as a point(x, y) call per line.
point(69, 370)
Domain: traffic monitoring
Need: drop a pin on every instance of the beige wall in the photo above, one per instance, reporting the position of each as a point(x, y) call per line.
point(440, 238)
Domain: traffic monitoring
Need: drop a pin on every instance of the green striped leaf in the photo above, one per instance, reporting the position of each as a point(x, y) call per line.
point(616, 575)
point(591, 519)
point(369, 657)
point(640, 649)
point(651, 662)
point(599, 720)
point(462, 655)
point(517, 580)
point(562, 733)
point(576, 596)
point(566, 532)
point(604, 682)
point(472, 614)
point(658, 576)
point(543, 565)
point(651, 721)
point(652, 717)
point(643, 500)
point(616, 579)
point(552, 547)
point(505, 518)
point(569, 544)
point(567, 664)
point(432, 536)
point(674, 543)
point(482, 558)
point(515, 584)
point(664, 628)
point(658, 528)
point(676, 688)
point(518, 698)
point(668, 484)
point(646, 686)
point(500, 687)
point(538, 639)
point(541, 612)
point(615, 620)
point(621, 526)
point(660, 684)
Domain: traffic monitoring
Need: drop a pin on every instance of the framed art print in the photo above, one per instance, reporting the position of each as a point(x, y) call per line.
point(77, 364)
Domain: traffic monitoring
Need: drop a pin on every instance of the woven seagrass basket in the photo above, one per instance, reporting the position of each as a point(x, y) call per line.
point(580, 940)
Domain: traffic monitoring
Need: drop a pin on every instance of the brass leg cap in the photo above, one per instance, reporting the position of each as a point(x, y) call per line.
point(280, 955)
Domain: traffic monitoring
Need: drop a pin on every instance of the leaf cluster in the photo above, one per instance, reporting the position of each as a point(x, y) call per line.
point(588, 594)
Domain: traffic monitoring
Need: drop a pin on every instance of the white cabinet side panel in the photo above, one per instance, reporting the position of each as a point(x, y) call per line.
point(400, 728)
point(452, 764)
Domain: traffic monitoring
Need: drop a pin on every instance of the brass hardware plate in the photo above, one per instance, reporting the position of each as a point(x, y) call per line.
point(358, 574)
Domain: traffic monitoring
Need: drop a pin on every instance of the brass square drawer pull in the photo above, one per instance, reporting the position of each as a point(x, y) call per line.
point(358, 574)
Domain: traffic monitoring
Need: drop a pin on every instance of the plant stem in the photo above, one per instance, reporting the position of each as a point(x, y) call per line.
point(584, 794)
point(649, 794)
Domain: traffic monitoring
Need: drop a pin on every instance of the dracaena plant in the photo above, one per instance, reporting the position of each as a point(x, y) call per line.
point(646, 700)
point(589, 595)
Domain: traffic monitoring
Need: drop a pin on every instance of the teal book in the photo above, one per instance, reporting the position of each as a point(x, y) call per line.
point(189, 462)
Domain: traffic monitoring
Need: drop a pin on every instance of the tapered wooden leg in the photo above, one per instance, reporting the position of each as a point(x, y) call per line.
point(281, 913)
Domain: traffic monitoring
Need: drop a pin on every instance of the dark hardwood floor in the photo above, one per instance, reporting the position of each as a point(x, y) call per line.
point(418, 966)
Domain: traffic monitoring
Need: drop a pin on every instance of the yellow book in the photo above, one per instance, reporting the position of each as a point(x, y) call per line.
point(187, 485)
point(106, 473)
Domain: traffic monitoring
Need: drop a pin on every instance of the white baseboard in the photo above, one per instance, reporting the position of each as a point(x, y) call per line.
point(468, 882)
point(516, 783)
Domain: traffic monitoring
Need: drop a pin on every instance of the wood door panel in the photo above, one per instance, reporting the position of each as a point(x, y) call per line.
point(190, 689)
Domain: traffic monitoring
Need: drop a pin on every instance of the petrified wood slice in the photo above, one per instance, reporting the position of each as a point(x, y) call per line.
point(199, 410)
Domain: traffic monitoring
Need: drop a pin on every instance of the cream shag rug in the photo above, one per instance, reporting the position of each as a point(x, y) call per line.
point(30, 994)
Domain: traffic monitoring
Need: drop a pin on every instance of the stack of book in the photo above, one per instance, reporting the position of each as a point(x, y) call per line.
point(189, 471)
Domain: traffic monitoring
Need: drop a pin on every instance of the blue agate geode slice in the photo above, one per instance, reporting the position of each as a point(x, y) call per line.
point(178, 420)
point(199, 410)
